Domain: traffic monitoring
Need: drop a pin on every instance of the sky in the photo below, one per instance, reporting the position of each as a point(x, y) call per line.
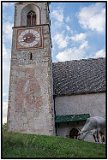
point(77, 31)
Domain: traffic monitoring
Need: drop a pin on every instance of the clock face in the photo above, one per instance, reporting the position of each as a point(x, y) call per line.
point(29, 38)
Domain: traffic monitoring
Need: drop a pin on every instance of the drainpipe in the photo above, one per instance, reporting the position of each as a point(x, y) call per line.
point(54, 96)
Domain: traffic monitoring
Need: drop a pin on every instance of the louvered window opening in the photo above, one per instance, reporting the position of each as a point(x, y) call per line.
point(31, 18)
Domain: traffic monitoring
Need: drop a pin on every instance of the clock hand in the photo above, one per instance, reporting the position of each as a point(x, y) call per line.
point(24, 38)
point(21, 40)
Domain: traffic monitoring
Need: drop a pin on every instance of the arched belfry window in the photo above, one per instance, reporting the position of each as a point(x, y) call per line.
point(30, 15)
point(31, 18)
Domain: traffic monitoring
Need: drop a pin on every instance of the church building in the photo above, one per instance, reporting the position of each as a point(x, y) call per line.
point(48, 98)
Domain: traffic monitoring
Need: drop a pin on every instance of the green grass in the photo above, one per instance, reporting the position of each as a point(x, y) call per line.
point(17, 145)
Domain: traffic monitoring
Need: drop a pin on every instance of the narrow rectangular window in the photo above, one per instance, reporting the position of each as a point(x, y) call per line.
point(31, 18)
point(31, 56)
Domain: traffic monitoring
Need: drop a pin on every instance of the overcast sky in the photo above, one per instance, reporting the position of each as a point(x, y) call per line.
point(77, 29)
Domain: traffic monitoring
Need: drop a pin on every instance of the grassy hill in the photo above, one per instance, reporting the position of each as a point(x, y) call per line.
point(17, 145)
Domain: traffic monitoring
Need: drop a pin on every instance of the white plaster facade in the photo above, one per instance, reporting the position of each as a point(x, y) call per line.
point(93, 104)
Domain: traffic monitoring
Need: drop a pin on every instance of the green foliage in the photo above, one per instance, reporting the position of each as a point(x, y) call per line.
point(17, 145)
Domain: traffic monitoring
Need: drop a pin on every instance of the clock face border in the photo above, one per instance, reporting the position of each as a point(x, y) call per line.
point(38, 45)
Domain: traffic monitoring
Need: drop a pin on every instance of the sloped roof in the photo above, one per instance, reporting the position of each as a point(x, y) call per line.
point(79, 76)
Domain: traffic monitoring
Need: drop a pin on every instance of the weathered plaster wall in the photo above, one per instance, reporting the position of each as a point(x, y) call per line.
point(30, 107)
point(94, 104)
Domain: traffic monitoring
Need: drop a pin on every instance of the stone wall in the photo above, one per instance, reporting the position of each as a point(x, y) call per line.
point(39, 8)
point(30, 107)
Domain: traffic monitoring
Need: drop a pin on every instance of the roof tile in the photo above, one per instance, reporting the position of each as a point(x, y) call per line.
point(79, 76)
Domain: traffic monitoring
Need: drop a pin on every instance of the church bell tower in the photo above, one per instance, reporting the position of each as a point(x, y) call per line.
point(30, 108)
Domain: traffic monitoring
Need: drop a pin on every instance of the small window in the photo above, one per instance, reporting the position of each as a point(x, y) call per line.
point(31, 56)
point(31, 18)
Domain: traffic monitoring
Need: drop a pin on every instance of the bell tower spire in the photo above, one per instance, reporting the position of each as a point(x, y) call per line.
point(30, 107)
